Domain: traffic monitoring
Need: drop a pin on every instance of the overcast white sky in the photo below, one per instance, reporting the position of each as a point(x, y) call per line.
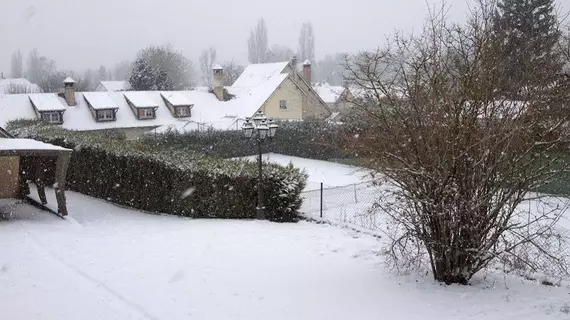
point(88, 33)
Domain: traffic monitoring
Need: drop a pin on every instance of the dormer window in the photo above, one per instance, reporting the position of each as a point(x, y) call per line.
point(183, 111)
point(52, 116)
point(105, 115)
point(146, 113)
point(102, 107)
point(177, 103)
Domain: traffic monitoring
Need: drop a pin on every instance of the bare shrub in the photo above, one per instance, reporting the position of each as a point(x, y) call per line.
point(460, 159)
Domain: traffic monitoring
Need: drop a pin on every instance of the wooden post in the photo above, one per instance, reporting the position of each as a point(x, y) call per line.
point(60, 175)
point(321, 199)
point(39, 179)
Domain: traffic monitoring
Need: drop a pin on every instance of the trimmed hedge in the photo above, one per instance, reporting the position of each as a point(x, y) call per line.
point(160, 179)
point(306, 139)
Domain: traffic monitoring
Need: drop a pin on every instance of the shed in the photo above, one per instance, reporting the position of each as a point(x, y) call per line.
point(24, 160)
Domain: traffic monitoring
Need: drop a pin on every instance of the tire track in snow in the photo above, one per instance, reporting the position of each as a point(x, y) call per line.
point(132, 305)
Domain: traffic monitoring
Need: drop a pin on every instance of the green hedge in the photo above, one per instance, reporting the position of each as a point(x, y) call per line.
point(306, 139)
point(155, 178)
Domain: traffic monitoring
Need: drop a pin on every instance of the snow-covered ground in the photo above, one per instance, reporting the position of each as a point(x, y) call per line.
point(329, 173)
point(109, 262)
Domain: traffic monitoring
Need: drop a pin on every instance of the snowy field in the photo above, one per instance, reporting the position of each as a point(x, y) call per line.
point(108, 262)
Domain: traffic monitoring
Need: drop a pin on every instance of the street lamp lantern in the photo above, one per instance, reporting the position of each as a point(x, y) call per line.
point(259, 129)
point(258, 118)
point(262, 130)
point(272, 128)
point(248, 128)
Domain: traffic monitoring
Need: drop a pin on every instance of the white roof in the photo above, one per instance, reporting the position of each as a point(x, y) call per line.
point(217, 67)
point(140, 99)
point(47, 102)
point(26, 144)
point(329, 94)
point(207, 111)
point(176, 98)
point(100, 100)
point(68, 80)
point(116, 85)
point(18, 84)
point(256, 74)
point(307, 62)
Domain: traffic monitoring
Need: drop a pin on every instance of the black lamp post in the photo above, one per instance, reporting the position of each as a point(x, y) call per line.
point(260, 129)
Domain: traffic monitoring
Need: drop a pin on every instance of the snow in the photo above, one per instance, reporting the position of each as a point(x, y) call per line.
point(307, 63)
point(100, 100)
point(329, 94)
point(114, 86)
point(26, 144)
point(331, 174)
point(176, 98)
point(46, 102)
point(140, 99)
point(107, 262)
point(256, 74)
point(18, 83)
point(217, 67)
point(68, 80)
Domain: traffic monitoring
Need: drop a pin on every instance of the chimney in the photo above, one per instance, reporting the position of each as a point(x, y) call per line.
point(218, 82)
point(307, 70)
point(69, 91)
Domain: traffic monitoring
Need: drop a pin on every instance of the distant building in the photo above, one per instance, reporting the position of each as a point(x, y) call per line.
point(113, 86)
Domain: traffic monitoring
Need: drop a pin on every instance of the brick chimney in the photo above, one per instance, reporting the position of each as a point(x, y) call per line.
point(69, 91)
point(218, 82)
point(307, 70)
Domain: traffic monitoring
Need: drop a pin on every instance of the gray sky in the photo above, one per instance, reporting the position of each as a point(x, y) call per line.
point(87, 33)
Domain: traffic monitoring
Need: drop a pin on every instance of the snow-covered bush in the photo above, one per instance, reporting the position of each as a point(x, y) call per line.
point(169, 179)
point(306, 139)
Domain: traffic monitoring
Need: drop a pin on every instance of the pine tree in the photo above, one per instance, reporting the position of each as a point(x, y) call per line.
point(142, 76)
point(527, 33)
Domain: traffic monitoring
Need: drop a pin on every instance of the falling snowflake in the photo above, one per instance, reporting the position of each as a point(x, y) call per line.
point(188, 192)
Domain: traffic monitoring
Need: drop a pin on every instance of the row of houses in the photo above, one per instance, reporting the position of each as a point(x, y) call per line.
point(282, 90)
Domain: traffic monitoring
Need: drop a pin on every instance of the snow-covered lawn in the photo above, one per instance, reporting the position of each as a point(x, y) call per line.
point(106, 262)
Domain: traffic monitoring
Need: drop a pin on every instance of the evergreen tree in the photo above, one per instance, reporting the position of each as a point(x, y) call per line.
point(527, 32)
point(142, 76)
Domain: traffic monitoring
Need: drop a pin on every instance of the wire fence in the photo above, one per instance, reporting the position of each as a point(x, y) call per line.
point(349, 205)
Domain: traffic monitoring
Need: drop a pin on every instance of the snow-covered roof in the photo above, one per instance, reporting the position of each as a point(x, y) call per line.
point(217, 67)
point(68, 80)
point(307, 62)
point(47, 102)
point(100, 100)
point(256, 74)
point(207, 111)
point(115, 85)
point(329, 94)
point(26, 144)
point(140, 99)
point(18, 85)
point(176, 98)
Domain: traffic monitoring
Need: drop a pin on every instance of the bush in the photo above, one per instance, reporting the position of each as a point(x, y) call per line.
point(306, 139)
point(172, 179)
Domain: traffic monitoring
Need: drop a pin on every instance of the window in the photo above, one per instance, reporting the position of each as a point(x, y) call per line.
point(182, 111)
point(105, 115)
point(282, 104)
point(146, 113)
point(53, 116)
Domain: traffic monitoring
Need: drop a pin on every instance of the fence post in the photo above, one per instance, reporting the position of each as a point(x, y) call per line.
point(321, 199)
point(355, 197)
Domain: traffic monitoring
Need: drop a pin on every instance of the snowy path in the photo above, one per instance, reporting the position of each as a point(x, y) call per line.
point(113, 263)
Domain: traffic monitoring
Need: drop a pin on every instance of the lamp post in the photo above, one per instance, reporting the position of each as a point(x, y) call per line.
point(259, 128)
